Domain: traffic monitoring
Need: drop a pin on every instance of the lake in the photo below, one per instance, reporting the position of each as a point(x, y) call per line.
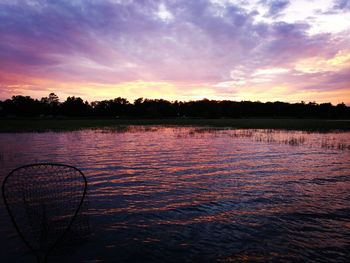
point(189, 194)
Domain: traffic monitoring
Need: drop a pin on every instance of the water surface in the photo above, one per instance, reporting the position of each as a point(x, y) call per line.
point(168, 194)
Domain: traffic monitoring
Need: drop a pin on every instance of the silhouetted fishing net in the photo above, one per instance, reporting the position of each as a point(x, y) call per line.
point(46, 204)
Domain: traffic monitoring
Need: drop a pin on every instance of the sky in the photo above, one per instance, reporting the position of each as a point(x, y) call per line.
point(258, 50)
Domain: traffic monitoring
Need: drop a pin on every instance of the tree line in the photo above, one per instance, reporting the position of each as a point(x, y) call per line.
point(51, 106)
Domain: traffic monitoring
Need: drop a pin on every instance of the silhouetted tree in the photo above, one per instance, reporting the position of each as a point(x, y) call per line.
point(50, 104)
point(22, 106)
point(25, 106)
point(75, 107)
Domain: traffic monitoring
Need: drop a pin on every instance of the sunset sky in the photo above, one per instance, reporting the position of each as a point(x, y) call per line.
point(267, 50)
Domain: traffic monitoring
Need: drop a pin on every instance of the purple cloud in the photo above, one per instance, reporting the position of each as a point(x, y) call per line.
point(343, 5)
point(275, 7)
point(109, 42)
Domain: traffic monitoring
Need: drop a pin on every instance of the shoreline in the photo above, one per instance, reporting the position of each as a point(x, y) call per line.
point(71, 124)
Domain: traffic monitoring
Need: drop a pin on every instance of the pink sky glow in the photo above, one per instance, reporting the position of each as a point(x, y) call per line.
point(264, 50)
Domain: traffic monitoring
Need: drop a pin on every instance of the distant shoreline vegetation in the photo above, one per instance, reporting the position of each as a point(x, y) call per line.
point(51, 107)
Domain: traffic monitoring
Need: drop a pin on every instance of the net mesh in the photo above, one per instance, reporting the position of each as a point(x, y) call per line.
point(47, 205)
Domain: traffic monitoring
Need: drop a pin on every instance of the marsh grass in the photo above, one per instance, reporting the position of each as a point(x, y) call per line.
point(292, 132)
point(334, 140)
point(331, 144)
point(126, 128)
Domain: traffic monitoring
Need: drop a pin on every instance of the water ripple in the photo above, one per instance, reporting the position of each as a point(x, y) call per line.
point(199, 195)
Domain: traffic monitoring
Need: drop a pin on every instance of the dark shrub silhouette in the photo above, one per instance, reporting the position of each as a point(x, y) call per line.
point(25, 106)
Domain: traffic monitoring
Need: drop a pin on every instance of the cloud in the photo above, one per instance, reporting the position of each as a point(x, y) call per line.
point(191, 45)
point(343, 5)
point(275, 7)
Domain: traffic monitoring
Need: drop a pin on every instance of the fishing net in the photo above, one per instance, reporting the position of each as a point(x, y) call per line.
point(46, 204)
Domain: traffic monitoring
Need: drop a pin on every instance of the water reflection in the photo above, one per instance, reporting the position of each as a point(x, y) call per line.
point(189, 194)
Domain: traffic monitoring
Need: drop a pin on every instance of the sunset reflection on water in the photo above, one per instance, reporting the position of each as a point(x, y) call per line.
point(193, 194)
